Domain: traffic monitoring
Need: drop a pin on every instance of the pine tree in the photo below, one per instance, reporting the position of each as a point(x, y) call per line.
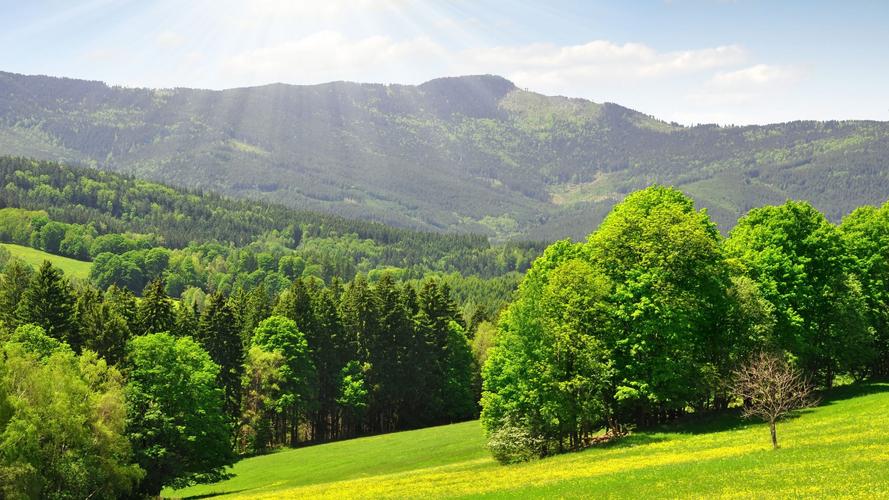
point(330, 353)
point(12, 286)
point(49, 302)
point(155, 311)
point(218, 333)
point(102, 328)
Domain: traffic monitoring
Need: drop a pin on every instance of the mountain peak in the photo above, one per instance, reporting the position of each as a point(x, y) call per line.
point(473, 95)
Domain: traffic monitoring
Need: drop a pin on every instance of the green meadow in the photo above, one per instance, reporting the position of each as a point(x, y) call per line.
point(838, 449)
point(72, 268)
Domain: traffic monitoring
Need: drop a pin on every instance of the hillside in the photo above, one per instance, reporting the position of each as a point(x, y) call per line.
point(840, 439)
point(469, 154)
point(102, 203)
point(74, 268)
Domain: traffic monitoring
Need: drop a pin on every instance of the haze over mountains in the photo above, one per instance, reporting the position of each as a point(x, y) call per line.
point(469, 154)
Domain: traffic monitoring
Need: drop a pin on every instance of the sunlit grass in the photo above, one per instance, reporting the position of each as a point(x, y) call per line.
point(71, 267)
point(840, 449)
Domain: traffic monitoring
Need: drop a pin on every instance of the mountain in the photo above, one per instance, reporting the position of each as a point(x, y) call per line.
point(466, 154)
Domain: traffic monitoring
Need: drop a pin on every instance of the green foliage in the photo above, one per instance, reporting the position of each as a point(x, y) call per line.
point(800, 263)
point(175, 417)
point(49, 302)
point(281, 335)
point(669, 276)
point(218, 334)
point(62, 425)
point(155, 310)
point(256, 242)
point(866, 234)
point(263, 384)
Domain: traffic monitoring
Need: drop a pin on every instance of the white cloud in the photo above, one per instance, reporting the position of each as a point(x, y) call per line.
point(329, 55)
point(169, 40)
point(756, 76)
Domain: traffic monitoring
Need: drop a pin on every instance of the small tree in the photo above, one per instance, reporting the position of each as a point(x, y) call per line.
point(771, 389)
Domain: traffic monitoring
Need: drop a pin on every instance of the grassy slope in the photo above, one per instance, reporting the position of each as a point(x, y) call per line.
point(838, 449)
point(73, 268)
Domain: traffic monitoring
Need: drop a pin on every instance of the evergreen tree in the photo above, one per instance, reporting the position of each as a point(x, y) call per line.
point(102, 328)
point(436, 311)
point(13, 284)
point(360, 317)
point(218, 333)
point(155, 310)
point(49, 302)
point(330, 352)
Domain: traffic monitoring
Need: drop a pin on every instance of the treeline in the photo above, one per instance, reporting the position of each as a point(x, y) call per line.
point(168, 392)
point(648, 319)
point(80, 205)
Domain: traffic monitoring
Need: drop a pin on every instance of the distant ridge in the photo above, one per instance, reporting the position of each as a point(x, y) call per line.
point(466, 154)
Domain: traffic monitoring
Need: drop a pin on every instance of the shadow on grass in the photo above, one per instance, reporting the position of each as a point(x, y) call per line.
point(211, 495)
point(704, 423)
point(730, 419)
point(628, 441)
point(851, 391)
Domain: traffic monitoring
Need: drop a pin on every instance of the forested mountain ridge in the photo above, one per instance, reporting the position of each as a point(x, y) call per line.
point(470, 154)
point(220, 244)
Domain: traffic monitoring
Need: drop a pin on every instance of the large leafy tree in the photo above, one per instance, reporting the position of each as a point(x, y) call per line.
point(175, 417)
point(665, 260)
point(278, 334)
point(62, 422)
point(800, 264)
point(866, 235)
point(263, 385)
point(546, 375)
point(49, 302)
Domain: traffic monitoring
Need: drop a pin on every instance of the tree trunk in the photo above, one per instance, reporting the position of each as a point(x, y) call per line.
point(774, 435)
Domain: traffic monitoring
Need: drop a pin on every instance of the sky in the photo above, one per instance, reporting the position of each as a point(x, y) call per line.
point(704, 61)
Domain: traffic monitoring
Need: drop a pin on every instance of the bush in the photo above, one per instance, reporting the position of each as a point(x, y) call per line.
point(512, 443)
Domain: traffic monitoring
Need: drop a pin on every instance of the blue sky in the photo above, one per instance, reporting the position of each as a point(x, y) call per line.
point(687, 61)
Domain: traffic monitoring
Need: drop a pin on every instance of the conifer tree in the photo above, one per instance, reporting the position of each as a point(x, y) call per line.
point(49, 302)
point(12, 286)
point(155, 311)
point(219, 335)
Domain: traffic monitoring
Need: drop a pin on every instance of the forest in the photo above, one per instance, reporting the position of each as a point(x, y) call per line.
point(183, 358)
point(656, 315)
point(134, 231)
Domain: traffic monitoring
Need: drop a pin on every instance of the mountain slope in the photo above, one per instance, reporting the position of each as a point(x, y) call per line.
point(472, 154)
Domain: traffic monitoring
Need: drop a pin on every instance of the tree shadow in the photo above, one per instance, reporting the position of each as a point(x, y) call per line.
point(852, 391)
point(210, 495)
point(704, 422)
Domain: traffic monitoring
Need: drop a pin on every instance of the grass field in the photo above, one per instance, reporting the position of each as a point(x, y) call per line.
point(839, 449)
point(73, 268)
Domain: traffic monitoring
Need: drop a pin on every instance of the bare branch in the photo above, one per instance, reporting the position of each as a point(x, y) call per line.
point(771, 389)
